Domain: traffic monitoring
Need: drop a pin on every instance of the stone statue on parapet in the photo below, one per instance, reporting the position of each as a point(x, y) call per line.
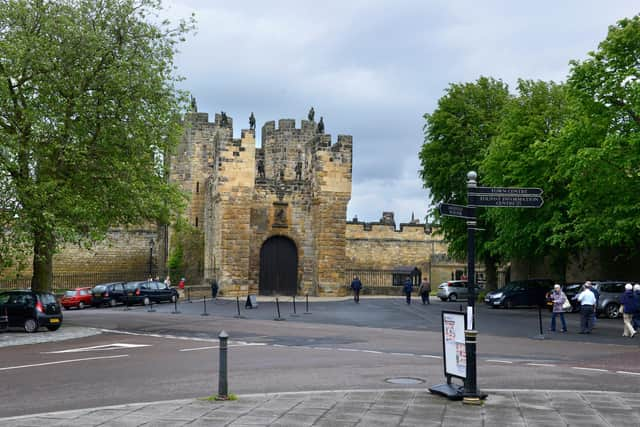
point(321, 125)
point(252, 121)
point(298, 171)
point(312, 114)
point(194, 105)
point(224, 121)
point(261, 169)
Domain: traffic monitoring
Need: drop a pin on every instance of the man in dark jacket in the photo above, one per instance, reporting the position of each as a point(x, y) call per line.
point(407, 288)
point(356, 285)
point(628, 302)
point(636, 316)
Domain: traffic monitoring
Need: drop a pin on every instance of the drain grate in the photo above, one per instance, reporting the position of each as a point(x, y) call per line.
point(404, 380)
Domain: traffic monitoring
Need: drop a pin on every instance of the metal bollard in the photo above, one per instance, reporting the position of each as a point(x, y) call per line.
point(189, 295)
point(295, 314)
point(223, 386)
point(151, 309)
point(278, 308)
point(238, 316)
point(126, 304)
point(175, 307)
point(204, 313)
point(307, 309)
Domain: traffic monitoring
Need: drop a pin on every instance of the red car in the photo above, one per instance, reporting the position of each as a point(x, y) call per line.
point(79, 298)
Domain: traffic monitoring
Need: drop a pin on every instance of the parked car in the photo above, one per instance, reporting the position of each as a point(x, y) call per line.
point(78, 298)
point(453, 290)
point(4, 320)
point(609, 299)
point(108, 294)
point(529, 292)
point(31, 310)
point(146, 292)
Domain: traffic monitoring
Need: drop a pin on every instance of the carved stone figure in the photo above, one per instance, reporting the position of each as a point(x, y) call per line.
point(311, 114)
point(224, 121)
point(321, 126)
point(281, 216)
point(194, 105)
point(299, 171)
point(252, 121)
point(261, 169)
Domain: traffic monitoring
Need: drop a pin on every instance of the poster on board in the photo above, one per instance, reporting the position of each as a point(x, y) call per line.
point(455, 355)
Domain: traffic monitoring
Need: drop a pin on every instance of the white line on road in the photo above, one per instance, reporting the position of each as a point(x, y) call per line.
point(548, 365)
point(8, 368)
point(430, 356)
point(371, 351)
point(105, 347)
point(230, 345)
point(402, 354)
point(589, 369)
point(499, 361)
point(627, 373)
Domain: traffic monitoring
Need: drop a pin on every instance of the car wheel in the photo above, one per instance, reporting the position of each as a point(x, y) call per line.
point(53, 328)
point(443, 299)
point(146, 301)
point(112, 303)
point(508, 304)
point(611, 310)
point(80, 305)
point(453, 297)
point(30, 325)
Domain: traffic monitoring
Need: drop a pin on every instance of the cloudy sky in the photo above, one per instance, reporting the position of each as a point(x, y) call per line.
point(373, 68)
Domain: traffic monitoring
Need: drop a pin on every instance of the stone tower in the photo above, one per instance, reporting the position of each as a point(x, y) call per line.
point(275, 216)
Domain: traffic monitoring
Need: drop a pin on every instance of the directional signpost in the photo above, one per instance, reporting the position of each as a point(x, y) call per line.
point(499, 197)
point(504, 197)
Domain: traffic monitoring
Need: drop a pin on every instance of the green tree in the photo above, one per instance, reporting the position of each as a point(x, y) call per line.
point(602, 144)
point(457, 136)
point(88, 110)
point(520, 156)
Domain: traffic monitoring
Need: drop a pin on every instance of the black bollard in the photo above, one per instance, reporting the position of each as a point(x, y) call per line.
point(223, 385)
point(307, 305)
point(295, 314)
point(278, 309)
point(189, 295)
point(238, 316)
point(175, 306)
point(126, 303)
point(541, 335)
point(204, 313)
point(151, 309)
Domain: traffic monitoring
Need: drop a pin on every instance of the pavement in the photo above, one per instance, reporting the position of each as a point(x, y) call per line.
point(398, 407)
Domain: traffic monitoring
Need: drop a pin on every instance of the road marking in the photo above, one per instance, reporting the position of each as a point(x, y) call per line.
point(430, 356)
point(8, 368)
point(230, 345)
point(499, 361)
point(589, 369)
point(627, 373)
point(371, 351)
point(402, 354)
point(548, 365)
point(105, 347)
point(348, 349)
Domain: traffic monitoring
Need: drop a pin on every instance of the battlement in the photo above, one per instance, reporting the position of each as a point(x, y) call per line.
point(288, 124)
point(219, 122)
point(386, 227)
point(194, 117)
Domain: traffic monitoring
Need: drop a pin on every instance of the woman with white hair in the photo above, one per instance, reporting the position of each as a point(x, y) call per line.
point(558, 298)
point(628, 302)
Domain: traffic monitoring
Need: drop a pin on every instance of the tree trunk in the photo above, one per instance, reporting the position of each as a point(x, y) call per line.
point(43, 248)
point(491, 273)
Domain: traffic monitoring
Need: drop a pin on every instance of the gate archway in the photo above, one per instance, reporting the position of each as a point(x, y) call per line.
point(278, 267)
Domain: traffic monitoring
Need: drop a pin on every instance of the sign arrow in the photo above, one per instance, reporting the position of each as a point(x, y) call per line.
point(515, 191)
point(457, 211)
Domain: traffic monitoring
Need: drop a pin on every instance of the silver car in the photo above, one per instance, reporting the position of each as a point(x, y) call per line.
point(453, 290)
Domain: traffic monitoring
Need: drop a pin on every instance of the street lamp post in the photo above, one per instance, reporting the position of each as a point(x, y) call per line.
point(151, 244)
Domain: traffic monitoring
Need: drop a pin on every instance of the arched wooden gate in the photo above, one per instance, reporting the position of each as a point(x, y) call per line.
point(278, 267)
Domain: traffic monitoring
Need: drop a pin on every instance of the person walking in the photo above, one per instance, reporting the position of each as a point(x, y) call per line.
point(167, 282)
point(424, 290)
point(356, 285)
point(587, 304)
point(628, 302)
point(407, 288)
point(214, 288)
point(181, 287)
point(636, 315)
point(558, 298)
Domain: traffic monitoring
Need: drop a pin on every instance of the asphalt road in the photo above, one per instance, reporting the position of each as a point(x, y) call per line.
point(147, 356)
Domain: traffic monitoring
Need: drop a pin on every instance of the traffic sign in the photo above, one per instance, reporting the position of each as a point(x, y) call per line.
point(506, 190)
point(458, 211)
point(505, 200)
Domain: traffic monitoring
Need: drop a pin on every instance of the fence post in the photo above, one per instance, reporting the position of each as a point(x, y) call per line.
point(295, 314)
point(204, 313)
point(278, 310)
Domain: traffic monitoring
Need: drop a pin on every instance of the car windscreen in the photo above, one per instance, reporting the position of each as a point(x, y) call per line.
point(70, 293)
point(98, 289)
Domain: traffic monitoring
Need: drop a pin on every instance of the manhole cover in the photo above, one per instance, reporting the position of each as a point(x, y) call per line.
point(404, 380)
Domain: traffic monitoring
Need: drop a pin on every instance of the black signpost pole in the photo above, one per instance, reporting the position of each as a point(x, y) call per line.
point(471, 395)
